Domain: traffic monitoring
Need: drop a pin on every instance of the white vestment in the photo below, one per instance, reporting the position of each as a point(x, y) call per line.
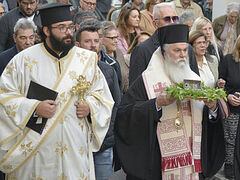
point(64, 150)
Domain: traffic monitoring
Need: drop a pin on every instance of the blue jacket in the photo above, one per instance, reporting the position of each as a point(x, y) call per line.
point(6, 56)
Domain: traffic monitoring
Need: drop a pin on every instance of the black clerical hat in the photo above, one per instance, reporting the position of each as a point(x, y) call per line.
point(173, 33)
point(54, 13)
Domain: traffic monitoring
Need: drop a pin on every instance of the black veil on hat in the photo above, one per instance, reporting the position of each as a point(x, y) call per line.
point(54, 13)
point(173, 33)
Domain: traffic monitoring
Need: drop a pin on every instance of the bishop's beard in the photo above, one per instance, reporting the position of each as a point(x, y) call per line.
point(177, 69)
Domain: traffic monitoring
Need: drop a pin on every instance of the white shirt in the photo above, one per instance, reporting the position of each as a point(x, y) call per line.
point(206, 74)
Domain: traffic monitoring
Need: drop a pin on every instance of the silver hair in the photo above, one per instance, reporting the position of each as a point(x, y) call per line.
point(186, 16)
point(108, 26)
point(82, 16)
point(24, 23)
point(165, 48)
point(157, 8)
point(233, 7)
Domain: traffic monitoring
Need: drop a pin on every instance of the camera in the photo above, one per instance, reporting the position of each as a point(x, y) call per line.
point(237, 95)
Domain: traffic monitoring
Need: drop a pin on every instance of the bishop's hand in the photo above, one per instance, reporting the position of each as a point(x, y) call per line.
point(164, 100)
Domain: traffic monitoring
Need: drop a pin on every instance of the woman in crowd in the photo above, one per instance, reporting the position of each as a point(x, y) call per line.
point(204, 25)
point(146, 22)
point(227, 27)
point(229, 70)
point(2, 10)
point(207, 64)
point(125, 63)
point(110, 37)
point(128, 27)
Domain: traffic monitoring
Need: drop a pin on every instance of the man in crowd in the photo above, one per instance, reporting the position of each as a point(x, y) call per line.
point(159, 137)
point(187, 18)
point(163, 14)
point(24, 37)
point(102, 56)
point(87, 37)
point(81, 16)
point(27, 9)
point(207, 7)
point(90, 5)
point(77, 120)
point(188, 5)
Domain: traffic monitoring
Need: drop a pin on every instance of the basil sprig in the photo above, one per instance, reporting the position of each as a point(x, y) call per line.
point(211, 94)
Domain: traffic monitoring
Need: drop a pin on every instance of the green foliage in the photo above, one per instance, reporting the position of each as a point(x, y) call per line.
point(211, 94)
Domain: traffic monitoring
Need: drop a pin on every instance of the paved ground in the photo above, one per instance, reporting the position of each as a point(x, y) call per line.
point(220, 176)
point(119, 175)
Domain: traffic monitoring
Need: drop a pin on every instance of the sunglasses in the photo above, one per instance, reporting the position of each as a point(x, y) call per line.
point(169, 18)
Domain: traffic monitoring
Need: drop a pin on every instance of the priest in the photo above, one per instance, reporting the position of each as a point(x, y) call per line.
point(49, 132)
point(159, 137)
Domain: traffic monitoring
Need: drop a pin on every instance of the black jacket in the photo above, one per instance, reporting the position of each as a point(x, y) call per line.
point(6, 56)
point(112, 80)
point(104, 6)
point(114, 63)
point(7, 23)
point(212, 51)
point(142, 54)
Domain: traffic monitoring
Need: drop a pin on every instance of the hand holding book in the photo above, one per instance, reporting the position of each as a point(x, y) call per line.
point(45, 109)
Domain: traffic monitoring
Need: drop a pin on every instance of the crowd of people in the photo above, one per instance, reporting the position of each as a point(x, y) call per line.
point(83, 90)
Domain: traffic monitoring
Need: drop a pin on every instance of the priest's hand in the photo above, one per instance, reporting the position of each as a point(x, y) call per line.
point(164, 100)
point(46, 108)
point(82, 110)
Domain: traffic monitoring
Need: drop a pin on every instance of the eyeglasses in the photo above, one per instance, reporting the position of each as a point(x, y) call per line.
point(2, 13)
point(168, 19)
point(89, 3)
point(200, 42)
point(64, 29)
point(28, 3)
point(112, 38)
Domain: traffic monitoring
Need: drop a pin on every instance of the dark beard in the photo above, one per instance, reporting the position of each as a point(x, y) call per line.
point(59, 45)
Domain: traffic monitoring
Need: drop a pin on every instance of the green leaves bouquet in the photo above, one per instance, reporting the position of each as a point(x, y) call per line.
point(205, 93)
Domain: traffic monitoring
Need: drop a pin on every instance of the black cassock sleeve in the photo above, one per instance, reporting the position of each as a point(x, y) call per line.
point(135, 133)
point(212, 144)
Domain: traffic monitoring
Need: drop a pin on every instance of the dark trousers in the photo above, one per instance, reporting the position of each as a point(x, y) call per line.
point(2, 177)
point(129, 177)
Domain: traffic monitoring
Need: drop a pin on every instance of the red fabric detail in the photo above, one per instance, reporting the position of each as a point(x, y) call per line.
point(173, 162)
point(151, 16)
point(197, 165)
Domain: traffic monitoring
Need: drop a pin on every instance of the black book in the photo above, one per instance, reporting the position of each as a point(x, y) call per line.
point(41, 93)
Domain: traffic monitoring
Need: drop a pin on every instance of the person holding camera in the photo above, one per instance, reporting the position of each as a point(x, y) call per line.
point(229, 70)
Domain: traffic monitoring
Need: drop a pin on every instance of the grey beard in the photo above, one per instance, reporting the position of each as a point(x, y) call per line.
point(177, 72)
